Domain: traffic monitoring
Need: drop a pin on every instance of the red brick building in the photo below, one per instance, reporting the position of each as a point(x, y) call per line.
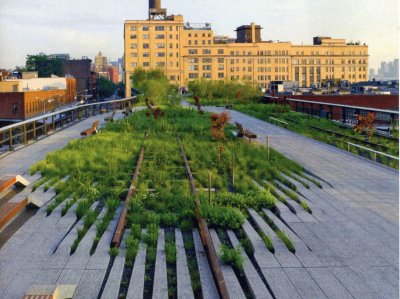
point(18, 106)
point(113, 71)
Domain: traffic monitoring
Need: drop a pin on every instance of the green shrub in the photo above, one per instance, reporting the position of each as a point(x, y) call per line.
point(232, 256)
point(113, 251)
point(225, 217)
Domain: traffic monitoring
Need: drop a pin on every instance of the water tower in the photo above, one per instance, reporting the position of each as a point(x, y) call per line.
point(155, 10)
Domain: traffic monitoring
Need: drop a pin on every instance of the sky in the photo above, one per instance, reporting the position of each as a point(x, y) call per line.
point(85, 27)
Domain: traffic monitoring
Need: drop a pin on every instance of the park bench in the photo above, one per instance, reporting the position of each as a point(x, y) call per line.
point(110, 118)
point(92, 130)
point(10, 180)
point(244, 133)
point(11, 208)
point(50, 292)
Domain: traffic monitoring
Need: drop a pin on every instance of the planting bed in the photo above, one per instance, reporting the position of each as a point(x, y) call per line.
point(324, 130)
point(238, 186)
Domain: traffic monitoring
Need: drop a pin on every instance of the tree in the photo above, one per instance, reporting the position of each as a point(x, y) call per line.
point(44, 65)
point(105, 88)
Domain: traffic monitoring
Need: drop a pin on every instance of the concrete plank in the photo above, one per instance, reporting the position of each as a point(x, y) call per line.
point(160, 285)
point(184, 286)
point(254, 281)
point(234, 289)
point(208, 287)
point(136, 284)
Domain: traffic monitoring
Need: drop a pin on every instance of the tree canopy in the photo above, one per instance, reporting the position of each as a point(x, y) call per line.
point(105, 88)
point(44, 65)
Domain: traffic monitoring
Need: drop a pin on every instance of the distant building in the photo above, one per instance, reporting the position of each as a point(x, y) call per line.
point(113, 74)
point(60, 56)
point(188, 52)
point(388, 70)
point(80, 70)
point(30, 75)
point(26, 98)
point(100, 63)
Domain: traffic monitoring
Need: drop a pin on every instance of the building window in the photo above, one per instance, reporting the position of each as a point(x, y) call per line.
point(172, 78)
point(207, 75)
point(207, 67)
point(221, 51)
point(159, 28)
point(133, 36)
point(145, 36)
point(145, 28)
point(146, 54)
point(206, 51)
point(133, 64)
point(146, 63)
point(192, 51)
point(160, 54)
point(193, 60)
point(146, 46)
point(160, 36)
point(15, 108)
point(221, 75)
point(171, 64)
point(193, 68)
point(133, 28)
point(161, 64)
point(160, 46)
point(203, 42)
point(133, 46)
point(193, 75)
point(133, 54)
point(207, 60)
point(220, 60)
point(221, 67)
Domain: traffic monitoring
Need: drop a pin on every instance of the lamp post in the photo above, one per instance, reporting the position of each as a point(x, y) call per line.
point(76, 94)
point(44, 104)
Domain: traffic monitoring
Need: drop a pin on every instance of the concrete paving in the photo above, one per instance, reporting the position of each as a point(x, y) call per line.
point(347, 248)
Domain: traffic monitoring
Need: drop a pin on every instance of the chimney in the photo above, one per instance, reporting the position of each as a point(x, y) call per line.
point(253, 32)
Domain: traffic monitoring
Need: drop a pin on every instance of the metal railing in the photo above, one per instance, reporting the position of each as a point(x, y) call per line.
point(346, 114)
point(33, 128)
point(374, 152)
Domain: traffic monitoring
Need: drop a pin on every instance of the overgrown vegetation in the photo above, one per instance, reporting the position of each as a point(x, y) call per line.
point(307, 125)
point(224, 92)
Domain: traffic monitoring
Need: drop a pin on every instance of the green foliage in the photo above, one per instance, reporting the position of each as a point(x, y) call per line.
point(105, 87)
point(153, 84)
point(305, 125)
point(267, 241)
point(232, 256)
point(287, 240)
point(113, 251)
point(226, 217)
point(132, 247)
point(170, 250)
point(44, 65)
point(226, 92)
point(151, 236)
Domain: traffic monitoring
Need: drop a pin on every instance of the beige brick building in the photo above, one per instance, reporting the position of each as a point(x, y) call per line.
point(191, 51)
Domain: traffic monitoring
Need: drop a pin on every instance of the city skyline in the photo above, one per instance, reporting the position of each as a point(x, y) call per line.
point(92, 26)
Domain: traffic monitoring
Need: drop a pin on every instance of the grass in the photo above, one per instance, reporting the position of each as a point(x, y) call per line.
point(303, 124)
point(267, 241)
point(232, 256)
point(287, 240)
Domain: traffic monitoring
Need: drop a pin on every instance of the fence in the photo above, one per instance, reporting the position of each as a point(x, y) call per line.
point(32, 129)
